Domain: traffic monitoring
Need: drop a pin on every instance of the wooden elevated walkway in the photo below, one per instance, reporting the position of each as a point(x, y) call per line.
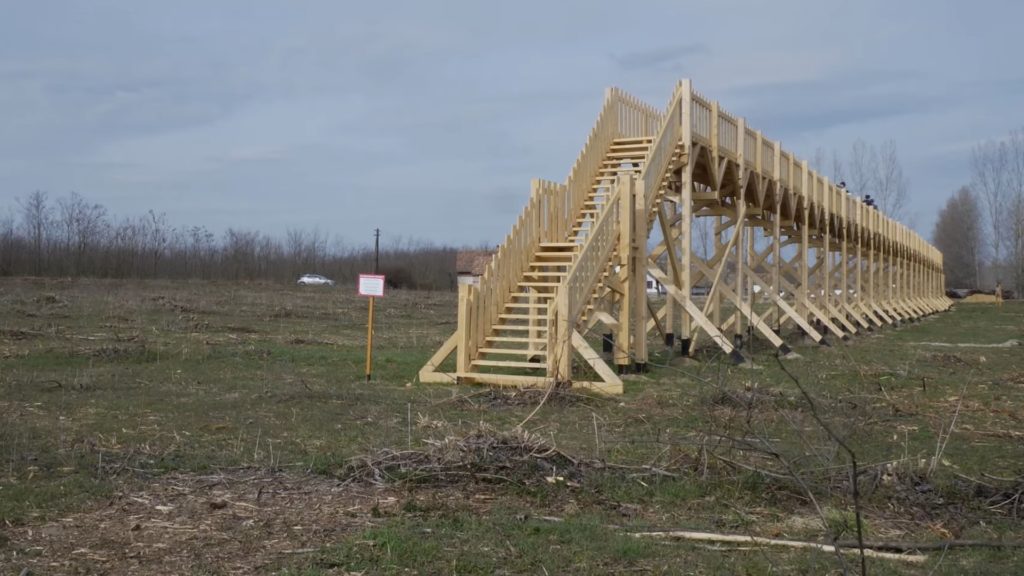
point(790, 249)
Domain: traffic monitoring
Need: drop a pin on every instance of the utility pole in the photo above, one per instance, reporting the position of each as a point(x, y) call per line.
point(376, 250)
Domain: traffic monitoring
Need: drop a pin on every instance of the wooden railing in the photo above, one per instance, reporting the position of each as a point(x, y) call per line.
point(636, 119)
point(545, 208)
point(622, 116)
point(553, 208)
point(750, 148)
point(728, 135)
point(705, 114)
point(593, 258)
point(662, 149)
point(767, 156)
point(578, 286)
point(700, 118)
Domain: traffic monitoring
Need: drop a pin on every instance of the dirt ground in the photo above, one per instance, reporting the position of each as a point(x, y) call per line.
point(234, 522)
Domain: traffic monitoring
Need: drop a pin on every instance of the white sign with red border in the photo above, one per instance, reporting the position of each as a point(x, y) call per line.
point(371, 285)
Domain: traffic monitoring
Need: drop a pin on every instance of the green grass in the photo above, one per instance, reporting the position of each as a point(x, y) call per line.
point(105, 386)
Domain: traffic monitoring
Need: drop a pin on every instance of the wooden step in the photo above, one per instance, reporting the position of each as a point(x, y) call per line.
point(546, 295)
point(513, 351)
point(522, 317)
point(519, 328)
point(509, 364)
point(516, 339)
point(630, 145)
point(525, 305)
point(558, 245)
point(538, 284)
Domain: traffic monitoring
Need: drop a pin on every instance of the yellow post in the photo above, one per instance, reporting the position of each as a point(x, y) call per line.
point(369, 342)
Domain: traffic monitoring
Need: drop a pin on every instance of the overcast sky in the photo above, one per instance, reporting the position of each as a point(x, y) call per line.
point(428, 119)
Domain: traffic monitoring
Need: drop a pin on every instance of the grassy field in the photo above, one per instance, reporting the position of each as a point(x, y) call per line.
point(217, 428)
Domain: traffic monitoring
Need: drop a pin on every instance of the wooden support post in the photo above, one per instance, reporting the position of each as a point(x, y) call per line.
point(670, 303)
point(685, 282)
point(628, 301)
point(844, 201)
point(739, 231)
point(777, 256)
point(563, 330)
point(824, 251)
point(638, 269)
point(465, 322)
point(805, 235)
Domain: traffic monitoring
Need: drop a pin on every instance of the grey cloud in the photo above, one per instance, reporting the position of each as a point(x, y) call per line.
point(270, 115)
point(659, 57)
point(825, 103)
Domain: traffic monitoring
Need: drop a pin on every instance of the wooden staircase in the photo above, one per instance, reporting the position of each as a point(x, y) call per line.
point(519, 339)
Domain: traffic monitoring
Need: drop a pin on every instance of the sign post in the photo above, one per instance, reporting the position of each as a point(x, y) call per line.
point(371, 285)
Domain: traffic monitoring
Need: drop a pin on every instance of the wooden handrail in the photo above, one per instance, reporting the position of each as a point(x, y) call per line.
point(592, 259)
point(662, 148)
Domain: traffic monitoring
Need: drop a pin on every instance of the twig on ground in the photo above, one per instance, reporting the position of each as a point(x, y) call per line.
point(733, 538)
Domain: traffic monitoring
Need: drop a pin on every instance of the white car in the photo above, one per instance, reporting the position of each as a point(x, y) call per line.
point(314, 280)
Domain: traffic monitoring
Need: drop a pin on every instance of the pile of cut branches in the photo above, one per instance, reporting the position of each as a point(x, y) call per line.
point(486, 455)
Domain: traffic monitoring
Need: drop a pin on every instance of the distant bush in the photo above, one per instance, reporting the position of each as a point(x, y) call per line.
point(72, 237)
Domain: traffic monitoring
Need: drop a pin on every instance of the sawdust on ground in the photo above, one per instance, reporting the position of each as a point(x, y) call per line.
point(980, 298)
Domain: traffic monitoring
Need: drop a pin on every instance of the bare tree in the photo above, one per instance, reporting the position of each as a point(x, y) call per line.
point(877, 172)
point(863, 168)
point(818, 160)
point(1015, 183)
point(997, 170)
point(891, 184)
point(157, 234)
point(36, 220)
point(988, 176)
point(82, 225)
point(838, 173)
point(958, 235)
point(9, 245)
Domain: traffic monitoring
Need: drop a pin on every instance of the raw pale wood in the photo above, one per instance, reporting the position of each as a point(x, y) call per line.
point(578, 254)
point(758, 540)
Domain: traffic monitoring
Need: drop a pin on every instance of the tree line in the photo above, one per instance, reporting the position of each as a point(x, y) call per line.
point(70, 236)
point(980, 230)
